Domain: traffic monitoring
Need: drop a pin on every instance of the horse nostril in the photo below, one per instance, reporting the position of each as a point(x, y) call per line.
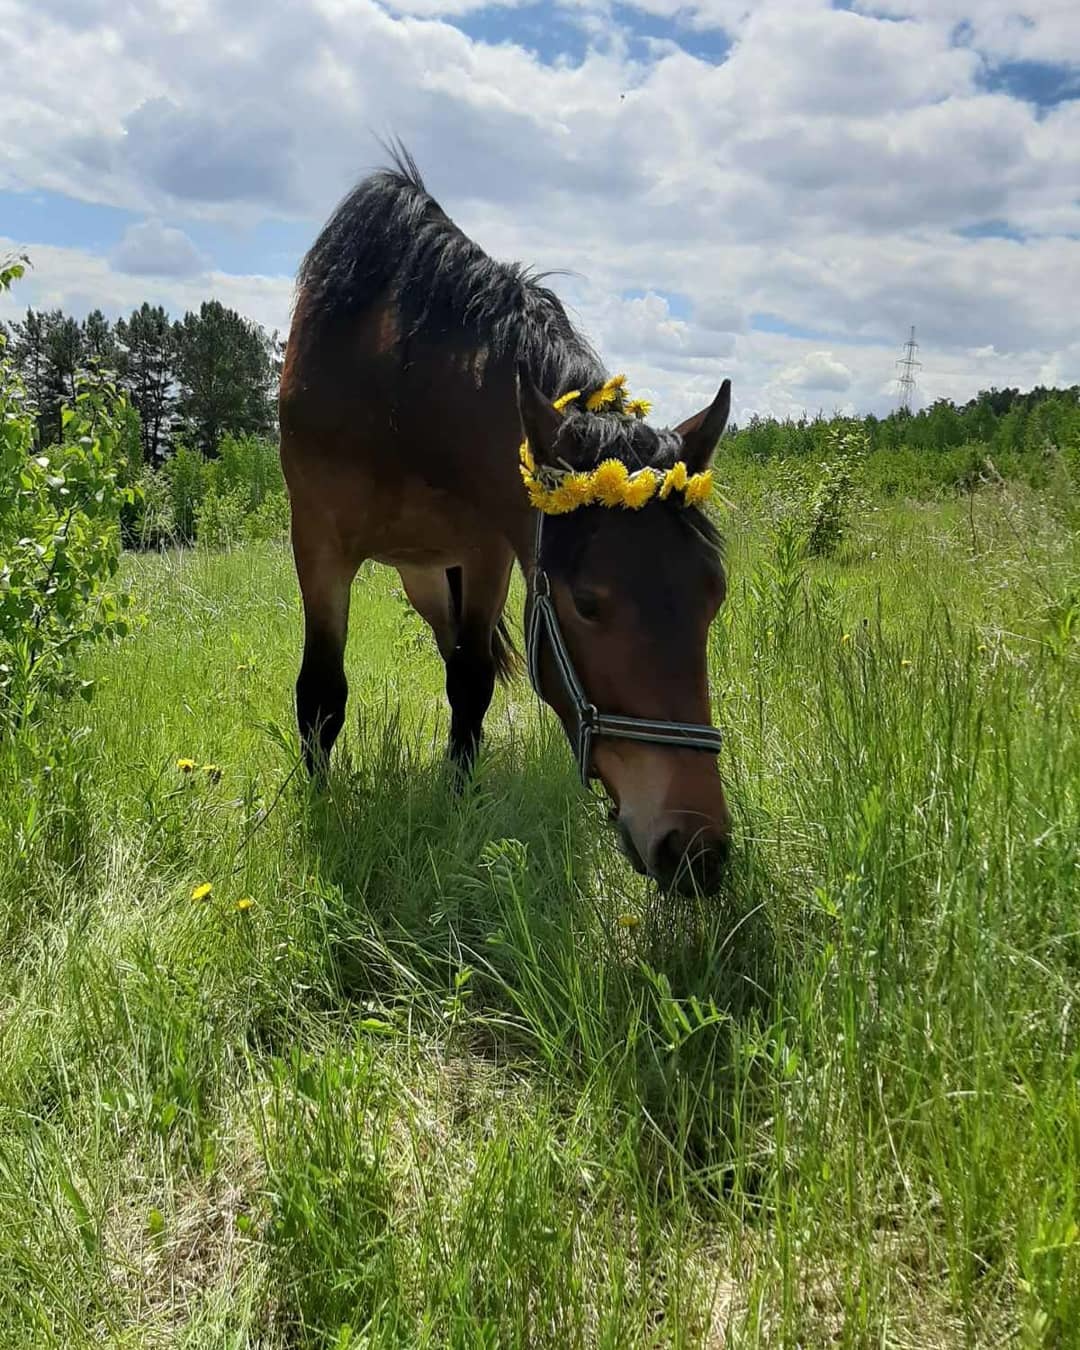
point(688, 862)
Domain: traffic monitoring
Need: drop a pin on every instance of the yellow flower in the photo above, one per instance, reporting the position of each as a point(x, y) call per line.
point(245, 903)
point(674, 480)
point(639, 407)
point(185, 765)
point(845, 638)
point(202, 891)
point(639, 489)
point(982, 646)
point(526, 457)
point(578, 488)
point(698, 488)
point(559, 501)
point(537, 495)
point(564, 399)
point(905, 663)
point(609, 482)
point(628, 920)
point(213, 772)
point(609, 392)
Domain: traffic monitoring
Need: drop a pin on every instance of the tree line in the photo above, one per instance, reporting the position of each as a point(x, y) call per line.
point(1006, 422)
point(193, 380)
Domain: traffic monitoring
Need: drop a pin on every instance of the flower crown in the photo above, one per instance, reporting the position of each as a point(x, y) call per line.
point(556, 491)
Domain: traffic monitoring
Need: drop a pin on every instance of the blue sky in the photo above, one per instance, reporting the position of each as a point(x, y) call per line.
point(771, 190)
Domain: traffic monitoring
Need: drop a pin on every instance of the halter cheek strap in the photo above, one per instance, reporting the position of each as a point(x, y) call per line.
point(544, 622)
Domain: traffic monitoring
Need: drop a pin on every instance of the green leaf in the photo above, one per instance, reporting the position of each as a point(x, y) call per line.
point(87, 1231)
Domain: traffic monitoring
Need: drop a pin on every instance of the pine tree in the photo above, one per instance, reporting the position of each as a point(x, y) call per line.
point(145, 357)
point(225, 371)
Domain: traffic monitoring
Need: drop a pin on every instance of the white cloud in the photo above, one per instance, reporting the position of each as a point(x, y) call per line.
point(820, 174)
point(151, 249)
point(78, 281)
point(817, 371)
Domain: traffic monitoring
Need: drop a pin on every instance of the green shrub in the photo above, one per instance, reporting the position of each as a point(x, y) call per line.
point(186, 476)
point(59, 542)
point(219, 520)
point(270, 519)
point(151, 523)
point(836, 496)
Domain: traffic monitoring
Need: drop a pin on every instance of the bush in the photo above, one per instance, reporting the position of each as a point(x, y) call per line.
point(270, 519)
point(59, 542)
point(836, 496)
point(219, 521)
point(186, 476)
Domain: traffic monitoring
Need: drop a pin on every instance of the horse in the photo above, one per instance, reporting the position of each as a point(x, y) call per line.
point(439, 413)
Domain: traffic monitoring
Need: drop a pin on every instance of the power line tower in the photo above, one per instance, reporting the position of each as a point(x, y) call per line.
point(906, 379)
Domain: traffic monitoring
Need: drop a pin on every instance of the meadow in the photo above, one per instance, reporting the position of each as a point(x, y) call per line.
point(382, 1066)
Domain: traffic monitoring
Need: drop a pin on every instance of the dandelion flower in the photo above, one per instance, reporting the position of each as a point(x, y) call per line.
point(526, 457)
point(674, 480)
point(558, 502)
point(628, 920)
point(564, 399)
point(186, 765)
point(579, 487)
point(609, 392)
point(639, 490)
point(639, 407)
point(575, 490)
point(202, 891)
point(698, 488)
point(845, 639)
point(213, 772)
point(245, 903)
point(609, 482)
point(905, 663)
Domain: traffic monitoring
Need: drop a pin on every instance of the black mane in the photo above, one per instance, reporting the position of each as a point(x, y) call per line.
point(390, 237)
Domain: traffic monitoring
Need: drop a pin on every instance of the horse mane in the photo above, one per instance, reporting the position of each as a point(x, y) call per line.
point(389, 237)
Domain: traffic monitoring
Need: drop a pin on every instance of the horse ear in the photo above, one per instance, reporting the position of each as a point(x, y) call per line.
point(702, 432)
point(540, 421)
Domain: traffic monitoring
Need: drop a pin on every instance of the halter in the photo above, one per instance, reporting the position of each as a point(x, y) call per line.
point(543, 620)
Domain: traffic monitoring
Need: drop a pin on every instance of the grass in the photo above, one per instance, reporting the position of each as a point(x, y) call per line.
point(457, 1078)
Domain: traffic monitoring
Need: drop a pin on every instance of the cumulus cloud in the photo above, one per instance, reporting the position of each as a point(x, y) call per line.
point(818, 370)
point(151, 249)
point(78, 281)
point(835, 172)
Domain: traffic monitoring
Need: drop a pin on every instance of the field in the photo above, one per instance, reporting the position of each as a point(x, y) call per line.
point(427, 1071)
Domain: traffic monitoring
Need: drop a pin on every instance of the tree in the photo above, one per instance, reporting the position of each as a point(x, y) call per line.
point(99, 344)
point(47, 349)
point(145, 357)
point(224, 370)
point(29, 357)
point(63, 364)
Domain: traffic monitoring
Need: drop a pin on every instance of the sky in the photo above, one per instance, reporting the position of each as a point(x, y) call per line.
point(768, 190)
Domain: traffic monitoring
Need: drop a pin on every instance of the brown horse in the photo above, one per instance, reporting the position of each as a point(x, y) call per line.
point(414, 365)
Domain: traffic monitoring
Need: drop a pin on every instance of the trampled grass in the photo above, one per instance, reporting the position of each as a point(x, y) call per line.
point(456, 1077)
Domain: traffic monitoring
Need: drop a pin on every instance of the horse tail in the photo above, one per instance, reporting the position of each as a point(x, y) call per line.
point(506, 656)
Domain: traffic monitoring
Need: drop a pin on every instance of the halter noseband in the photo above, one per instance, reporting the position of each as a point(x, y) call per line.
point(590, 723)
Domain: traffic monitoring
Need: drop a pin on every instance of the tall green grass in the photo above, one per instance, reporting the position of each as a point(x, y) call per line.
point(457, 1077)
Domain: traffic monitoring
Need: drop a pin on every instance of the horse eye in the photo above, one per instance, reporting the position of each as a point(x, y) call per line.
point(587, 604)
